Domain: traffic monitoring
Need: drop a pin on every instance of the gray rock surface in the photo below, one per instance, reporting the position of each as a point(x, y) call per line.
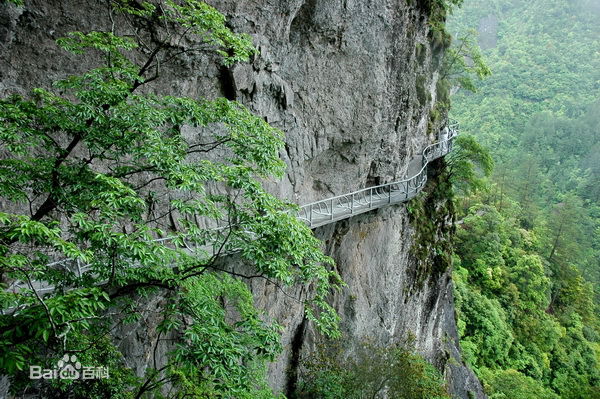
point(352, 84)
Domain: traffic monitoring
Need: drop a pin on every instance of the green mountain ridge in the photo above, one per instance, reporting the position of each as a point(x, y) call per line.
point(528, 249)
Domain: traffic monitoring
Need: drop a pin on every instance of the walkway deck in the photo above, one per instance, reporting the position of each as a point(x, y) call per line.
point(332, 209)
point(341, 207)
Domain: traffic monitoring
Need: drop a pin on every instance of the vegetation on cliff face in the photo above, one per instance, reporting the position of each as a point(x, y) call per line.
point(100, 175)
point(394, 372)
point(527, 268)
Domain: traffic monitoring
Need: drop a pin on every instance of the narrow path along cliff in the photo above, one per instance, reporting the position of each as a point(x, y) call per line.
point(343, 206)
point(329, 210)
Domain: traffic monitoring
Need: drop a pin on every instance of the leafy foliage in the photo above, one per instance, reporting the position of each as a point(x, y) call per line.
point(467, 162)
point(463, 62)
point(111, 198)
point(395, 372)
point(512, 384)
point(515, 316)
point(527, 243)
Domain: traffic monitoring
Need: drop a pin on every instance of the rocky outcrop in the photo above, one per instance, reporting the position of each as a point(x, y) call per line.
point(352, 84)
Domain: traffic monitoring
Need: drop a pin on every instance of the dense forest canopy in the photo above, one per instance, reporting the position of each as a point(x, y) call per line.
point(528, 246)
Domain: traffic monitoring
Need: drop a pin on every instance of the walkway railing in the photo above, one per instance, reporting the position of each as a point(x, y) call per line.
point(344, 206)
point(318, 213)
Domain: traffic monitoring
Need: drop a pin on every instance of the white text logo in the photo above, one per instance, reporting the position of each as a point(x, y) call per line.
point(68, 368)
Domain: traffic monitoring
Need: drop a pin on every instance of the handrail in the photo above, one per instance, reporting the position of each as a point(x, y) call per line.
point(329, 210)
point(346, 205)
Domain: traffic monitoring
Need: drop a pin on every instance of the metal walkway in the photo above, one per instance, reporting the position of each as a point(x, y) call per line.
point(318, 213)
point(344, 206)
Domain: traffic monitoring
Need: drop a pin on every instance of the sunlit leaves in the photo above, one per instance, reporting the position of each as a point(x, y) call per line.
point(120, 193)
point(209, 24)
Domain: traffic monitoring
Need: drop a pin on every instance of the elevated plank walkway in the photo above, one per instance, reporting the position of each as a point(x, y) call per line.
point(343, 206)
point(322, 212)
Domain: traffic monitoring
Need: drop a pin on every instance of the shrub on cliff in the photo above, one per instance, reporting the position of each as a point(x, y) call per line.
point(394, 372)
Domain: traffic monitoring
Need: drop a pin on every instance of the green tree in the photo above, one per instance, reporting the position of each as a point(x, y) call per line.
point(468, 161)
point(510, 384)
point(538, 114)
point(565, 231)
point(526, 182)
point(486, 336)
point(483, 239)
point(463, 61)
point(529, 277)
point(109, 200)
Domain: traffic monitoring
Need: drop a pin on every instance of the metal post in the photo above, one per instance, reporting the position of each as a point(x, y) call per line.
point(331, 205)
point(310, 214)
point(370, 198)
point(352, 204)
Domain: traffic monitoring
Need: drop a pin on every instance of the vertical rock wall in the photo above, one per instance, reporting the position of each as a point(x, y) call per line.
point(352, 84)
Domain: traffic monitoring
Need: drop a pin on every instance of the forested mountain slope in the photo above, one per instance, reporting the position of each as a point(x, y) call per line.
point(528, 248)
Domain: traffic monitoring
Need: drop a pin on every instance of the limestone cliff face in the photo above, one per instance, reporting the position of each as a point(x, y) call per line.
point(352, 84)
